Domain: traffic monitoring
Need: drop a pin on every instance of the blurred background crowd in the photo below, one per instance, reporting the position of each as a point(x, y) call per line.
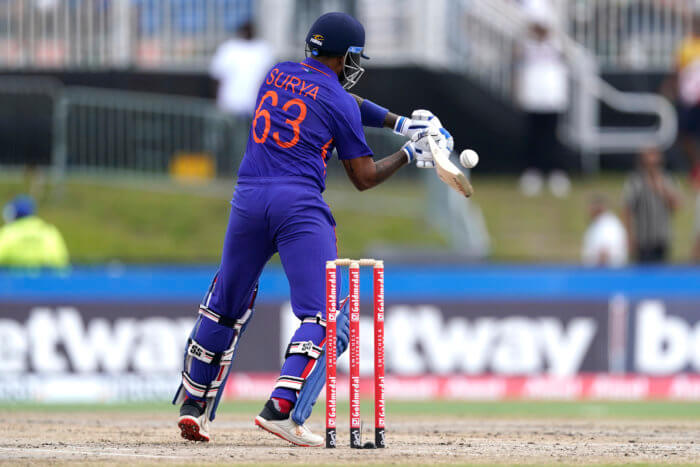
point(585, 113)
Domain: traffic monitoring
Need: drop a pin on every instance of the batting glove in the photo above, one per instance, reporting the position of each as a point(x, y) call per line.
point(419, 121)
point(422, 120)
point(434, 121)
point(424, 156)
point(410, 150)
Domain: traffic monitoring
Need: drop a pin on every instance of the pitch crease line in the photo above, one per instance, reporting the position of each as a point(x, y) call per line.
point(93, 453)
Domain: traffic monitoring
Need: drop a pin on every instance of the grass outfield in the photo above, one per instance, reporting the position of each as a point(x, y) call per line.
point(166, 222)
point(149, 222)
point(505, 409)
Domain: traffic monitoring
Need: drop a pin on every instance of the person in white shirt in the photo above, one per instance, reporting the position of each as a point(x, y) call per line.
point(605, 240)
point(542, 89)
point(239, 66)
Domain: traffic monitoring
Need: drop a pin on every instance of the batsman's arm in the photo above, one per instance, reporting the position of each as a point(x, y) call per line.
point(365, 173)
point(375, 115)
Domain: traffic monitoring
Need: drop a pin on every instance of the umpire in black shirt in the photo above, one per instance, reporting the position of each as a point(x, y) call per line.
point(650, 197)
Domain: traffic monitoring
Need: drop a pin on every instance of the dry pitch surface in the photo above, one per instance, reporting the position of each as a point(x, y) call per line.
point(35, 436)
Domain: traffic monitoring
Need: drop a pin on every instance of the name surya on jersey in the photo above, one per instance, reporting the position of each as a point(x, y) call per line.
point(290, 83)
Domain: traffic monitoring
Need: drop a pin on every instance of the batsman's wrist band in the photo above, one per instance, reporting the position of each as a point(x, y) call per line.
point(372, 114)
point(409, 150)
point(398, 126)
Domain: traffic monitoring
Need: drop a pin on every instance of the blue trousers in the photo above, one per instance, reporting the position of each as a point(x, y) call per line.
point(269, 215)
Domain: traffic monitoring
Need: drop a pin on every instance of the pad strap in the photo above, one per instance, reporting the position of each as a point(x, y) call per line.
point(235, 324)
point(316, 378)
point(200, 390)
point(222, 359)
point(304, 348)
point(318, 319)
point(196, 350)
point(289, 382)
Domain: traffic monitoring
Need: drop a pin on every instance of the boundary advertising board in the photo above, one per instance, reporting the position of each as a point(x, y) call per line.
point(445, 343)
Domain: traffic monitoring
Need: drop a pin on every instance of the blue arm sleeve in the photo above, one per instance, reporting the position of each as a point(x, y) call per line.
point(372, 114)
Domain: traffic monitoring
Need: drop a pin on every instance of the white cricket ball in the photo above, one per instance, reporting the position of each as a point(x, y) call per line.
point(469, 158)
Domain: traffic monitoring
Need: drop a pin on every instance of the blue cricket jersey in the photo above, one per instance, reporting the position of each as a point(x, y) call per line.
point(302, 114)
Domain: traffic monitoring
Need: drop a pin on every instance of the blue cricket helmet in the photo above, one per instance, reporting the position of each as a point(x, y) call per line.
point(21, 206)
point(339, 34)
point(334, 34)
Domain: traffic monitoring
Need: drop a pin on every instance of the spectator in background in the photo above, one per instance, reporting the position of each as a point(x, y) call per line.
point(605, 240)
point(683, 87)
point(650, 199)
point(542, 89)
point(28, 242)
point(239, 66)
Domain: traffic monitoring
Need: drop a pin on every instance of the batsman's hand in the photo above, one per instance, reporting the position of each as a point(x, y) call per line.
point(419, 121)
point(422, 120)
point(448, 141)
point(424, 156)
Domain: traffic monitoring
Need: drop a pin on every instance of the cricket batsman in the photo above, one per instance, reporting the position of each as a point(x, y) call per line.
point(303, 113)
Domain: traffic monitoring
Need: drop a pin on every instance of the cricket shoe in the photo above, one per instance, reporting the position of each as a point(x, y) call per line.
point(282, 425)
point(193, 421)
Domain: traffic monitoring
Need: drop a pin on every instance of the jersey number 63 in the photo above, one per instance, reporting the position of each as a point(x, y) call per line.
point(265, 115)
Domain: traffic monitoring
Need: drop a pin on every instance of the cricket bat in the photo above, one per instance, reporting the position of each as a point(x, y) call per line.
point(448, 172)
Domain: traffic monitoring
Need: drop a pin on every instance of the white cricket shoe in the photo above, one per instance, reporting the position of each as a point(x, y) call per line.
point(193, 422)
point(270, 420)
point(290, 431)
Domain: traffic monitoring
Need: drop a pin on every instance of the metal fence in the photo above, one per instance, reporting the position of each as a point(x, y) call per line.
point(84, 130)
point(183, 34)
point(116, 33)
point(121, 132)
point(483, 45)
point(630, 34)
point(98, 131)
point(622, 35)
point(496, 26)
point(105, 131)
